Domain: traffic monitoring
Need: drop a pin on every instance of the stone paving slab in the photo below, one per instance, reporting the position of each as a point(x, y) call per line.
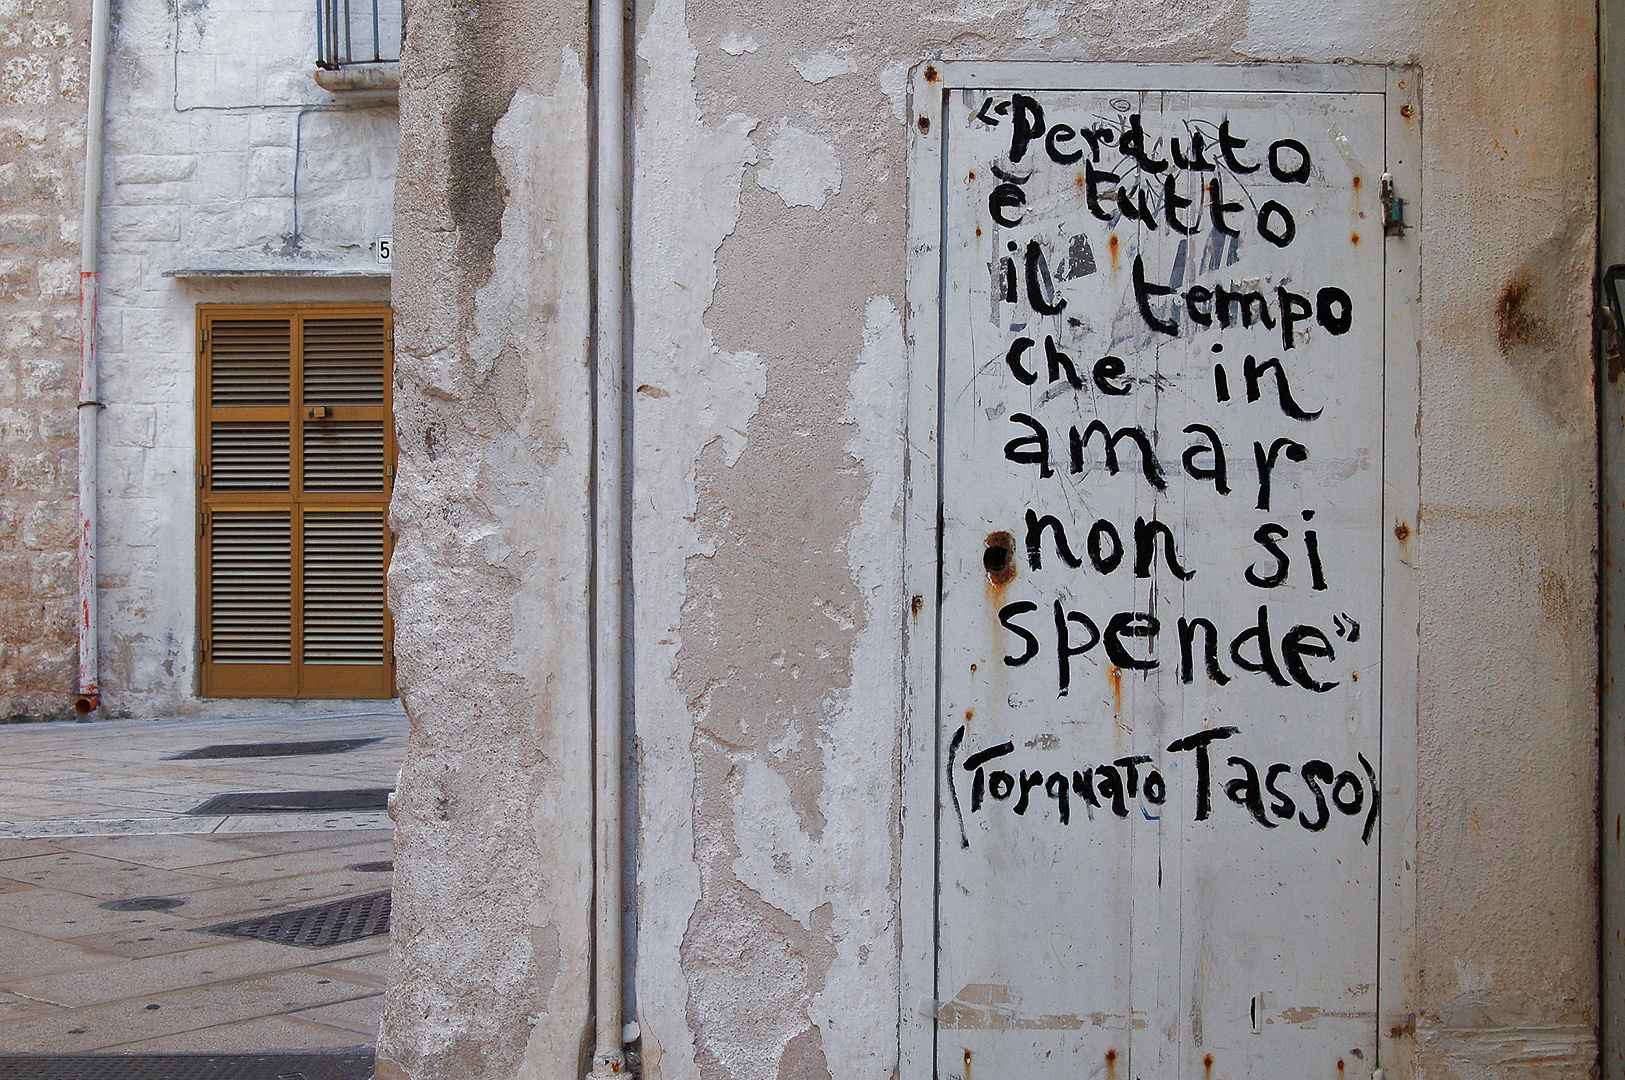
point(91, 813)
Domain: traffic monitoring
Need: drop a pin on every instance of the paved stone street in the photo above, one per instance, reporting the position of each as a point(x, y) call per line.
point(95, 814)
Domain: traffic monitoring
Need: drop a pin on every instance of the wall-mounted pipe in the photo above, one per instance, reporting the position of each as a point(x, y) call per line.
point(611, 592)
point(88, 699)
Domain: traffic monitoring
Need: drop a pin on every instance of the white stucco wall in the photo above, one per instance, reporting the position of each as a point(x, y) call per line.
point(770, 363)
point(213, 122)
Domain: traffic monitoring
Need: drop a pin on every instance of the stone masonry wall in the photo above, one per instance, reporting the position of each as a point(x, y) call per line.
point(44, 45)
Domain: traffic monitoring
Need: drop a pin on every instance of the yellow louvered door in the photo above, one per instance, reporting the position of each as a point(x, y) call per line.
point(296, 453)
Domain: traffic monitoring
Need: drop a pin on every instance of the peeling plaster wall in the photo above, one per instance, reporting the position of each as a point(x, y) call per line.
point(770, 376)
point(489, 578)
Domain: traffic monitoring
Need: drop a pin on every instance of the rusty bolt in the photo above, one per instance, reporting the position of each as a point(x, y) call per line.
point(999, 558)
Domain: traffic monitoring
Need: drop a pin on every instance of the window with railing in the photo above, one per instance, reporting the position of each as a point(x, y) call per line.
point(358, 32)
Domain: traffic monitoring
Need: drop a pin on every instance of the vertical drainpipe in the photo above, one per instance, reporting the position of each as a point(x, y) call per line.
point(89, 696)
point(611, 593)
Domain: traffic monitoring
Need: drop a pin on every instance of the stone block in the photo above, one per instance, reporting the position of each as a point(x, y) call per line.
point(28, 80)
point(50, 526)
point(384, 160)
point(61, 424)
point(123, 470)
point(11, 520)
point(16, 427)
point(136, 522)
point(321, 164)
point(34, 472)
point(153, 168)
point(240, 226)
point(49, 371)
point(22, 328)
point(58, 279)
point(221, 175)
point(16, 277)
point(64, 322)
point(55, 574)
point(23, 230)
point(72, 76)
point(270, 171)
point(175, 194)
point(128, 224)
point(129, 425)
point(270, 129)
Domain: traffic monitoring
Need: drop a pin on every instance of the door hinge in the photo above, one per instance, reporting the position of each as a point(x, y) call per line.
point(203, 524)
point(1393, 208)
point(202, 476)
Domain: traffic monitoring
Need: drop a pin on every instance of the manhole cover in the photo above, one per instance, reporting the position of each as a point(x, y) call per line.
point(354, 1064)
point(280, 802)
point(273, 749)
point(145, 903)
point(385, 867)
point(350, 919)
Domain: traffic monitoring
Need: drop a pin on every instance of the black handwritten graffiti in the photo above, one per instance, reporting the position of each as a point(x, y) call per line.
point(1130, 641)
point(1132, 187)
point(1219, 183)
point(1307, 794)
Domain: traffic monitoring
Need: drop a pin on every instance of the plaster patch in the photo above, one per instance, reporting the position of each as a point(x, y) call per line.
point(894, 84)
point(804, 169)
point(735, 45)
point(1473, 978)
point(861, 752)
point(1356, 30)
point(686, 200)
point(825, 66)
point(1040, 24)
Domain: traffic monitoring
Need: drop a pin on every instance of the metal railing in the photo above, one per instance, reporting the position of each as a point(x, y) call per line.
point(358, 32)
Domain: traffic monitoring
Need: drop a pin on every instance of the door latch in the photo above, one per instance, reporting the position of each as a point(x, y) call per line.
point(1610, 299)
point(1393, 208)
point(317, 412)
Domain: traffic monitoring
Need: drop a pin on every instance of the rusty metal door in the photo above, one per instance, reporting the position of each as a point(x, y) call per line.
point(1162, 694)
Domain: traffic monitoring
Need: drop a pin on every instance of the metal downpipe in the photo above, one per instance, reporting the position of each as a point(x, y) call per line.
point(88, 699)
point(610, 583)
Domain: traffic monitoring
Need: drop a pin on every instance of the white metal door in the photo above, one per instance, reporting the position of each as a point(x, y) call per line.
point(1164, 523)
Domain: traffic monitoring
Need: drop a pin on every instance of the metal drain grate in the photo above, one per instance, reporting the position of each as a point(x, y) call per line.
point(273, 749)
point(282, 802)
point(314, 1065)
point(350, 919)
point(144, 903)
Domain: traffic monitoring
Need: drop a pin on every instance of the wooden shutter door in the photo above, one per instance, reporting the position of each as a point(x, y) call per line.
point(296, 452)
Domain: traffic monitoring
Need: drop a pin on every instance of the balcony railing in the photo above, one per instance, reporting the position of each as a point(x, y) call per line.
point(358, 32)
